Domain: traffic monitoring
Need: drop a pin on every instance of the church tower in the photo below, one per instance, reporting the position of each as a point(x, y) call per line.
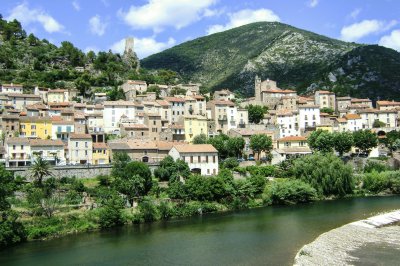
point(257, 89)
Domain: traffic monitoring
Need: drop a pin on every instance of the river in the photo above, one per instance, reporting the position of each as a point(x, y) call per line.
point(264, 236)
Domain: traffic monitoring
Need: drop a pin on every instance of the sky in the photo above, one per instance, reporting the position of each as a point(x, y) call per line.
point(156, 25)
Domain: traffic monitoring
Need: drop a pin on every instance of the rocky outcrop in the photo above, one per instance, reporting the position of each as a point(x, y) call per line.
point(335, 246)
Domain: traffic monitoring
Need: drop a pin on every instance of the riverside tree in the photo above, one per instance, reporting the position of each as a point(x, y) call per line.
point(365, 140)
point(321, 140)
point(40, 169)
point(260, 143)
point(325, 172)
point(342, 142)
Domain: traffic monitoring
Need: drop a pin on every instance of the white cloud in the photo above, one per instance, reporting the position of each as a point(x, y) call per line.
point(76, 5)
point(97, 26)
point(143, 46)
point(157, 14)
point(392, 40)
point(313, 3)
point(28, 16)
point(356, 31)
point(243, 17)
point(354, 14)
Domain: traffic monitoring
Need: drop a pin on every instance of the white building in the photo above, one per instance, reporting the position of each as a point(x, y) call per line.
point(309, 116)
point(113, 111)
point(201, 158)
point(50, 150)
point(12, 88)
point(80, 149)
point(177, 108)
point(287, 123)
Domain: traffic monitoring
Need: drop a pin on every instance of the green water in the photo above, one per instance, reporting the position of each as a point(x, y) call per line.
point(265, 236)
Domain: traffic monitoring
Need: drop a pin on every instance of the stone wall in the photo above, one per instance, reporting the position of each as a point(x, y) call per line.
point(78, 171)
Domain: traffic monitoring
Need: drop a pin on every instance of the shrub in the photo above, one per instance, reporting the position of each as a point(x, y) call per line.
point(104, 180)
point(165, 210)
point(111, 213)
point(325, 172)
point(148, 211)
point(377, 182)
point(290, 192)
point(265, 171)
point(11, 230)
point(375, 166)
point(230, 163)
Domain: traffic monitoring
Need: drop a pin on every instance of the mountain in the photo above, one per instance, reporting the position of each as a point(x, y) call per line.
point(293, 57)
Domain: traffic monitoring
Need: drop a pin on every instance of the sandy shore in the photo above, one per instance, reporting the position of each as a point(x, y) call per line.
point(335, 246)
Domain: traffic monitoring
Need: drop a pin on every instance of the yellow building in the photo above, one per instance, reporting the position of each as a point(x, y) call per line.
point(328, 128)
point(194, 125)
point(57, 96)
point(35, 127)
point(101, 153)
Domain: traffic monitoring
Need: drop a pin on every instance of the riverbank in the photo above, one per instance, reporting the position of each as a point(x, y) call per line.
point(339, 246)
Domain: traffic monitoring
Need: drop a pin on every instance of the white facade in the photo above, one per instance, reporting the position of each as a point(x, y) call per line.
point(309, 116)
point(12, 88)
point(80, 149)
point(113, 111)
point(201, 158)
point(288, 125)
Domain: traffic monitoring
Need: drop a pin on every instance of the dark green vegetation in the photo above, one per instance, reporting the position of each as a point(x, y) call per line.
point(59, 206)
point(293, 57)
point(33, 62)
point(256, 113)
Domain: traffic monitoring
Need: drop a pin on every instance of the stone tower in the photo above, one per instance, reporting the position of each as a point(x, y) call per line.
point(129, 42)
point(129, 57)
point(257, 89)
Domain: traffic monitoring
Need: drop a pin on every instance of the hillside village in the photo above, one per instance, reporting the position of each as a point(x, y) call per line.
point(50, 124)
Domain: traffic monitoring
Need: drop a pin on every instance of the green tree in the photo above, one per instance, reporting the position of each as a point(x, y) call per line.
point(198, 188)
point(256, 113)
point(327, 110)
point(136, 180)
point(39, 170)
point(236, 146)
point(11, 230)
point(325, 172)
point(342, 142)
point(170, 170)
point(119, 163)
point(220, 143)
point(377, 124)
point(155, 89)
point(365, 140)
point(260, 143)
point(177, 91)
point(200, 139)
point(110, 213)
point(392, 140)
point(291, 192)
point(321, 140)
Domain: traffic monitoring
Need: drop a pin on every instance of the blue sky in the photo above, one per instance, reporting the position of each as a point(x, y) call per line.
point(159, 24)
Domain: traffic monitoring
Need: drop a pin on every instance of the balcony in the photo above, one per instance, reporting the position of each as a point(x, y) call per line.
point(222, 118)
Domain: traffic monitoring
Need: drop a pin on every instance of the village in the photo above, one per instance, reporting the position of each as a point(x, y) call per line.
point(50, 123)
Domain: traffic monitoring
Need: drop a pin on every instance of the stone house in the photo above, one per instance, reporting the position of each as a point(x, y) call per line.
point(80, 149)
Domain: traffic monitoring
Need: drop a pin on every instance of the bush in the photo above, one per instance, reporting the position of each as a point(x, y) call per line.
point(111, 213)
point(148, 211)
point(375, 166)
point(11, 230)
point(376, 182)
point(290, 192)
point(104, 180)
point(230, 163)
point(73, 197)
point(265, 171)
point(325, 172)
point(165, 210)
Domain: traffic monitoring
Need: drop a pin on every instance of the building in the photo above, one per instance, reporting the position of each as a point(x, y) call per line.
point(61, 129)
point(113, 111)
point(194, 125)
point(51, 151)
point(35, 127)
point(58, 96)
point(309, 116)
point(224, 95)
point(325, 99)
point(101, 154)
point(19, 100)
point(80, 149)
point(154, 125)
point(387, 105)
point(246, 134)
point(9, 124)
point(267, 93)
point(131, 87)
point(287, 123)
point(290, 146)
point(18, 152)
point(201, 158)
point(225, 115)
point(177, 106)
point(12, 88)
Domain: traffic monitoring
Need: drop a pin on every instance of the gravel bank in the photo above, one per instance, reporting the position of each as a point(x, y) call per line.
point(335, 246)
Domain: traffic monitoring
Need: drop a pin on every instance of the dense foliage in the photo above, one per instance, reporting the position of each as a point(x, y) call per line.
point(256, 113)
point(290, 192)
point(326, 173)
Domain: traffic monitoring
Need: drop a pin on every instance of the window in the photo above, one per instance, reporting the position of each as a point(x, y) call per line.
point(206, 159)
point(76, 153)
point(76, 144)
point(86, 144)
point(154, 122)
point(33, 126)
point(191, 159)
point(208, 171)
point(199, 159)
point(86, 153)
point(214, 159)
point(69, 129)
